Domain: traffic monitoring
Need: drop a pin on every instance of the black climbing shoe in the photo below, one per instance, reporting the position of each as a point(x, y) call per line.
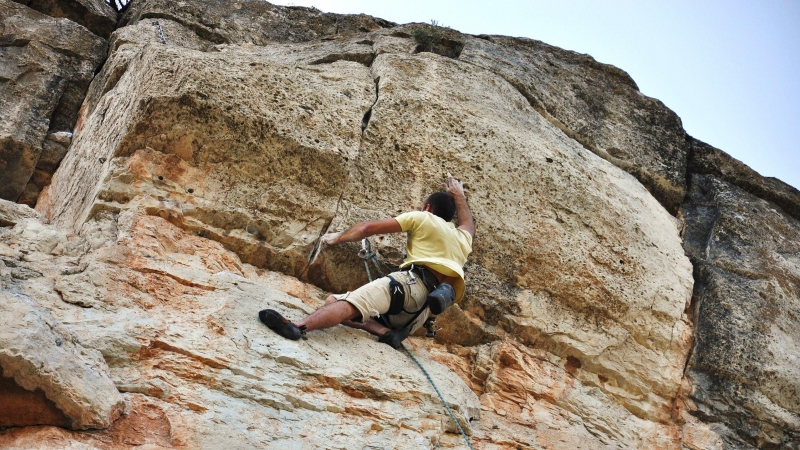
point(275, 321)
point(441, 298)
point(395, 338)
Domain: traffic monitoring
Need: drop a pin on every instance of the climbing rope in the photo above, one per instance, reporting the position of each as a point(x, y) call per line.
point(449, 411)
point(367, 254)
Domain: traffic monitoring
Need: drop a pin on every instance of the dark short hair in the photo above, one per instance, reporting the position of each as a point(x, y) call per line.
point(443, 204)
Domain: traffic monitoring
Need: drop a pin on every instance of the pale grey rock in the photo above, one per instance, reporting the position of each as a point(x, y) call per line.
point(267, 118)
point(253, 22)
point(706, 159)
point(40, 353)
point(176, 321)
point(11, 213)
point(203, 168)
point(538, 246)
point(744, 367)
point(309, 143)
point(62, 137)
point(596, 104)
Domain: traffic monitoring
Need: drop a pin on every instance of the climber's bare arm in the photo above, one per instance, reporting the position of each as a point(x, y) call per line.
point(361, 230)
point(456, 189)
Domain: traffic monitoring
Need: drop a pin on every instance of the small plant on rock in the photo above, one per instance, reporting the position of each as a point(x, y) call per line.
point(427, 36)
point(436, 38)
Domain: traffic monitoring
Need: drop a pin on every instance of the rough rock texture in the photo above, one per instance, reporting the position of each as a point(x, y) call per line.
point(347, 138)
point(435, 114)
point(596, 104)
point(95, 15)
point(745, 368)
point(46, 65)
point(11, 213)
point(202, 173)
point(175, 317)
point(38, 352)
point(250, 21)
point(713, 161)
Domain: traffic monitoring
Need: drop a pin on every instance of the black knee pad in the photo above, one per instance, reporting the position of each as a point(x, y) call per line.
point(441, 298)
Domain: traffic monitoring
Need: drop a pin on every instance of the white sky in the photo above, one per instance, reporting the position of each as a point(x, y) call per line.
point(729, 69)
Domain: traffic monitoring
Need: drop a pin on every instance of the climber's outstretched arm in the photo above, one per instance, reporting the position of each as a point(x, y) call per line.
point(456, 189)
point(361, 230)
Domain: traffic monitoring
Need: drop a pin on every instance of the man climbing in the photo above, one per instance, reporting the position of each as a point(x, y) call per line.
point(430, 279)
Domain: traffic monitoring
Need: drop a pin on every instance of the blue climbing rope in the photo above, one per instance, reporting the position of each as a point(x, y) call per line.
point(450, 412)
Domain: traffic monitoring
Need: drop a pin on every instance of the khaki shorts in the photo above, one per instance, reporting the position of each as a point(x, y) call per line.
point(373, 299)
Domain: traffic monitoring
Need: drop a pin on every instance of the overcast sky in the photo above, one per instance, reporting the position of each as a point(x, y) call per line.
point(729, 69)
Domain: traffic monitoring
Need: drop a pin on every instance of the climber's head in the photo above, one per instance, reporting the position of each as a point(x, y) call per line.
point(440, 204)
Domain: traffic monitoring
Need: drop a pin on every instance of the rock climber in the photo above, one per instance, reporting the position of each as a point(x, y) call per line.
point(430, 279)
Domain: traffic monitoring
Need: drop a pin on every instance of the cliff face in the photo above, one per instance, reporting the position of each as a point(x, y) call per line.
point(47, 64)
point(202, 171)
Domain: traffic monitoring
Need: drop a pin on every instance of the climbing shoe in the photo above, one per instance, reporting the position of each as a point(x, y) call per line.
point(441, 298)
point(275, 321)
point(395, 338)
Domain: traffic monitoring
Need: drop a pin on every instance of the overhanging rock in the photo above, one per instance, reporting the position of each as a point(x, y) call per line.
point(39, 353)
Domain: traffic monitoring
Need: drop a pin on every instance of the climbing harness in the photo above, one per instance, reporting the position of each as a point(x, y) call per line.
point(396, 290)
point(367, 254)
point(441, 397)
point(160, 32)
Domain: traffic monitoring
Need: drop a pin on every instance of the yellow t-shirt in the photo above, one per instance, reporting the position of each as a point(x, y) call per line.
point(436, 244)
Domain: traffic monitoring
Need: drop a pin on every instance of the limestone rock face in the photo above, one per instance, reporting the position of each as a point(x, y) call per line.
point(436, 114)
point(319, 135)
point(295, 130)
point(39, 354)
point(744, 368)
point(96, 15)
point(713, 161)
point(250, 22)
point(11, 213)
point(596, 104)
point(175, 318)
point(202, 172)
point(46, 65)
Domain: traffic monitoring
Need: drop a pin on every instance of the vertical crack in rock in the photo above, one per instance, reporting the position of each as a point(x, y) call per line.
point(364, 124)
point(351, 162)
point(368, 114)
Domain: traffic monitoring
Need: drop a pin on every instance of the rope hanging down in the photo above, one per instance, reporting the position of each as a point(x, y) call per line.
point(367, 254)
point(450, 412)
